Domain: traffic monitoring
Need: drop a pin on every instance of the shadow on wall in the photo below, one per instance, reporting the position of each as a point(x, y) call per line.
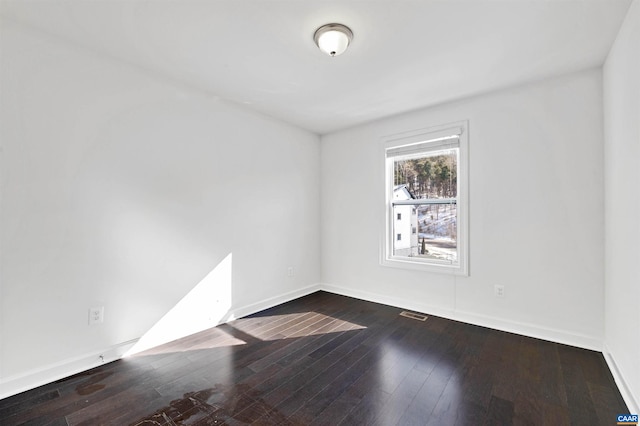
point(205, 306)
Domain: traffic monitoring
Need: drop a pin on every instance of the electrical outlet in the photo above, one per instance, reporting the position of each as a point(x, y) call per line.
point(290, 271)
point(498, 290)
point(96, 315)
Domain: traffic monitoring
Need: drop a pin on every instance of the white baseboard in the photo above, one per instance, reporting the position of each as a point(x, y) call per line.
point(270, 302)
point(529, 330)
point(386, 300)
point(13, 385)
point(632, 404)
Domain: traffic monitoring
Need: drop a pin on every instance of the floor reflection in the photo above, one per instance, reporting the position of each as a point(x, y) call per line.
point(428, 376)
point(215, 406)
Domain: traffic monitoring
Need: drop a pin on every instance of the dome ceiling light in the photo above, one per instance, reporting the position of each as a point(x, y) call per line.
point(333, 39)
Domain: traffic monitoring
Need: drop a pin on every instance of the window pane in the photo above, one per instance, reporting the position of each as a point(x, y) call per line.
point(437, 233)
point(429, 176)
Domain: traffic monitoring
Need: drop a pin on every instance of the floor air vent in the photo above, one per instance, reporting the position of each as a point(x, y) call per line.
point(413, 315)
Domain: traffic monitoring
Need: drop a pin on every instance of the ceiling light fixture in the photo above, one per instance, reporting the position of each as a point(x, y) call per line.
point(333, 39)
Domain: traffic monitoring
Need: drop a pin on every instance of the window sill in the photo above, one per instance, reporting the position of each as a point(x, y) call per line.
point(438, 268)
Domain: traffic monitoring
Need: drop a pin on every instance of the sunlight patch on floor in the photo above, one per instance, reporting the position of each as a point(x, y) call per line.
point(275, 327)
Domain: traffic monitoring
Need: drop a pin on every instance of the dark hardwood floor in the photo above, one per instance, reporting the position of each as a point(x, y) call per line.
point(332, 360)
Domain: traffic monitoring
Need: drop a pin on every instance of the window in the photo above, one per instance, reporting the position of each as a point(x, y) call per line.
point(426, 179)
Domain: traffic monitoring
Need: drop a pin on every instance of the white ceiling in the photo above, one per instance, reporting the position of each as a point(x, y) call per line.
point(405, 54)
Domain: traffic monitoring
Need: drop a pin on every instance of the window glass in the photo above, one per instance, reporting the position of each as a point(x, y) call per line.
point(430, 177)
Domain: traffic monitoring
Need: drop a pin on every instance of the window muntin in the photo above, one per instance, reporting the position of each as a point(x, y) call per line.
point(426, 180)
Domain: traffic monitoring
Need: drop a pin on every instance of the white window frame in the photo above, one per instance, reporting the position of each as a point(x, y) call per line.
point(428, 139)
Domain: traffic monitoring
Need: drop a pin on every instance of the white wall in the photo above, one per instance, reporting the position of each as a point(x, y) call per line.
point(622, 206)
point(123, 190)
point(536, 209)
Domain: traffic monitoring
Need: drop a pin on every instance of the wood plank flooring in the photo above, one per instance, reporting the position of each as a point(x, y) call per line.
point(326, 359)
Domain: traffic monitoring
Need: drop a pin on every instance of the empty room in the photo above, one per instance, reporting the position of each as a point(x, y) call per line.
point(286, 212)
